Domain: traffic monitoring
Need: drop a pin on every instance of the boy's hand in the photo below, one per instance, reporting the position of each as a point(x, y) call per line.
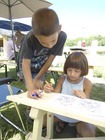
point(48, 87)
point(35, 94)
point(79, 93)
point(37, 83)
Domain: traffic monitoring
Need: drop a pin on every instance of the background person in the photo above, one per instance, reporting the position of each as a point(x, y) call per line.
point(19, 38)
point(10, 52)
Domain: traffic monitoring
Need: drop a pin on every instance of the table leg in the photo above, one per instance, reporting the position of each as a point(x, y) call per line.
point(37, 115)
point(50, 123)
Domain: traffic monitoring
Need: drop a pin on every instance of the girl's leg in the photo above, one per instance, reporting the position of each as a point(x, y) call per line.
point(59, 124)
point(85, 129)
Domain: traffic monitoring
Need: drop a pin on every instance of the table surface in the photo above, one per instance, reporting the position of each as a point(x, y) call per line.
point(82, 109)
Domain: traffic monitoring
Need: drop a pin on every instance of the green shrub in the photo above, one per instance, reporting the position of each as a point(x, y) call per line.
point(98, 72)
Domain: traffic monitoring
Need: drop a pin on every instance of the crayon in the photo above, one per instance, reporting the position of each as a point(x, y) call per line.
point(38, 94)
point(47, 83)
point(35, 94)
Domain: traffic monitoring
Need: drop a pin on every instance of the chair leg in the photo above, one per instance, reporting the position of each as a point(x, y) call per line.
point(18, 112)
point(16, 107)
point(6, 74)
point(7, 120)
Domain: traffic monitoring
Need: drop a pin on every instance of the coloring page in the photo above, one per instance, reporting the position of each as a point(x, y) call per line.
point(87, 106)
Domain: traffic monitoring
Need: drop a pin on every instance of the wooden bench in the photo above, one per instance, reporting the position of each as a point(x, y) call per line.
point(5, 64)
point(5, 67)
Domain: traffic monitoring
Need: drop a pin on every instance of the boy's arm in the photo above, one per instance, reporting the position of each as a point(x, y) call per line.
point(44, 68)
point(27, 74)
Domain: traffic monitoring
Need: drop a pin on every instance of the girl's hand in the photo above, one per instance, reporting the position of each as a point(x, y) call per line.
point(35, 94)
point(48, 87)
point(79, 93)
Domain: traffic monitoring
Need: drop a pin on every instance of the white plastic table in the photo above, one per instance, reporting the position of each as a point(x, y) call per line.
point(94, 111)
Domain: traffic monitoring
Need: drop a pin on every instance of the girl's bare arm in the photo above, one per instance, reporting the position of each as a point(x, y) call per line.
point(58, 87)
point(87, 87)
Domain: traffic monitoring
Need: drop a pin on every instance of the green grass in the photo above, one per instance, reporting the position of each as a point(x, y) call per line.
point(7, 131)
point(11, 113)
point(98, 92)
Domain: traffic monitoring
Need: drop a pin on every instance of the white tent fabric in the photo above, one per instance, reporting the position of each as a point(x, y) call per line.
point(13, 9)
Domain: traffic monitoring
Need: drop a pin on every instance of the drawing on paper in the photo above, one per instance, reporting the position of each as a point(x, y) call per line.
point(85, 105)
point(66, 100)
point(90, 106)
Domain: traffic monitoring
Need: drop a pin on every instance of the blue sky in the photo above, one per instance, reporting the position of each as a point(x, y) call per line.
point(79, 18)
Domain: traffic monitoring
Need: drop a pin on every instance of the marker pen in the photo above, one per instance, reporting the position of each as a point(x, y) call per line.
point(35, 94)
point(38, 94)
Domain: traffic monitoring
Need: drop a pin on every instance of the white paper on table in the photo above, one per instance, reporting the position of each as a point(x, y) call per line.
point(88, 106)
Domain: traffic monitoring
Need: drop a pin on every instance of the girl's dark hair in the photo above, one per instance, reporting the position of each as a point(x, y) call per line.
point(77, 60)
point(45, 22)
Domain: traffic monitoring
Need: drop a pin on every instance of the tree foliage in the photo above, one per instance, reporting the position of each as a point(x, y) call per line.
point(74, 42)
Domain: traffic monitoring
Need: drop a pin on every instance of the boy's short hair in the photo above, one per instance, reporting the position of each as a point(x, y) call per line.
point(45, 22)
point(77, 60)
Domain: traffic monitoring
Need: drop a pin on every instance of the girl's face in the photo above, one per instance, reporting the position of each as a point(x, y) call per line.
point(73, 73)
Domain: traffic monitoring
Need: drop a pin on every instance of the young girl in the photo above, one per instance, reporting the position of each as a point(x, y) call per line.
point(74, 83)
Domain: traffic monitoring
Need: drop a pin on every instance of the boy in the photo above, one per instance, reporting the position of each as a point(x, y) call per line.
point(40, 47)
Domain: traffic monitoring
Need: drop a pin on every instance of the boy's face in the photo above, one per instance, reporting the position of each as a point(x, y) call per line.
point(48, 41)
